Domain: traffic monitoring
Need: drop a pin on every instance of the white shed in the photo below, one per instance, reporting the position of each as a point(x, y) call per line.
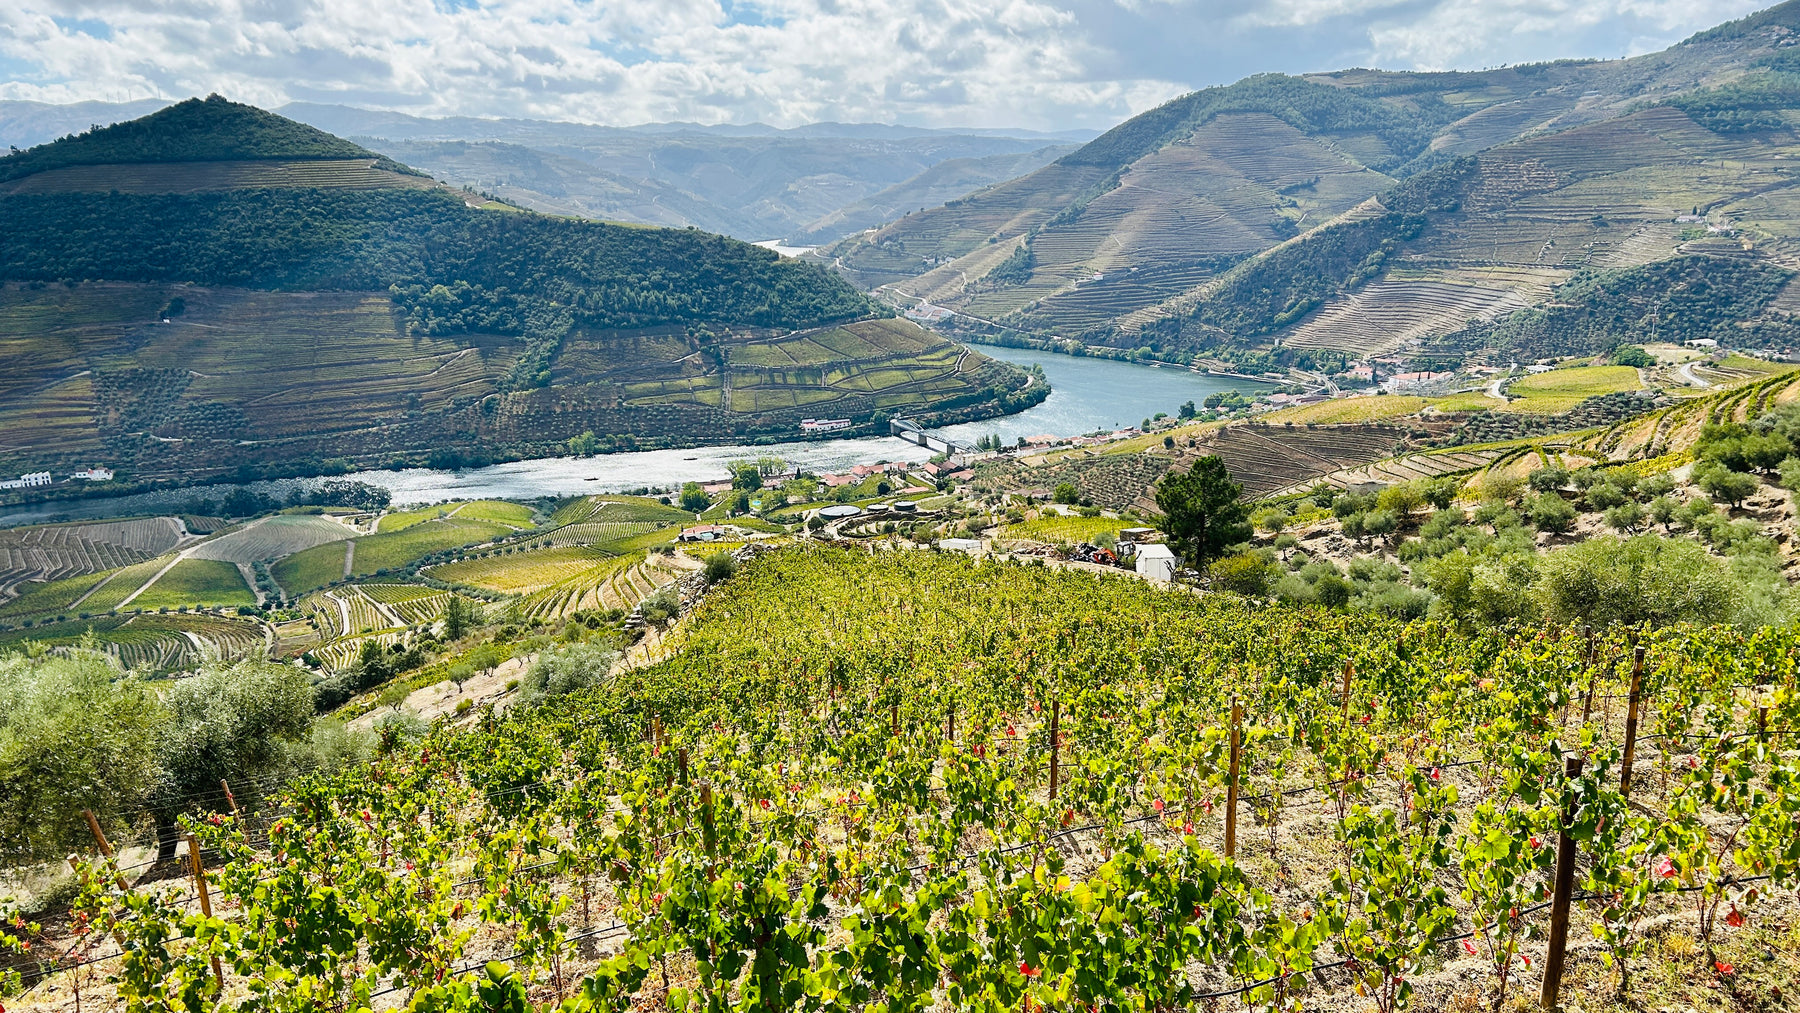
point(1156, 561)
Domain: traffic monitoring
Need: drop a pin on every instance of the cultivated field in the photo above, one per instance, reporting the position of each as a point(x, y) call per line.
point(151, 642)
point(198, 177)
point(1562, 389)
point(389, 550)
point(272, 538)
point(53, 551)
point(514, 572)
point(1051, 528)
point(206, 582)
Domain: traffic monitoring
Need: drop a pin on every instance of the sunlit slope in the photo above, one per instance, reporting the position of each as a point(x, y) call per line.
point(1582, 164)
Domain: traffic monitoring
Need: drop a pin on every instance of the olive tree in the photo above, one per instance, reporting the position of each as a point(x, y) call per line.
point(75, 733)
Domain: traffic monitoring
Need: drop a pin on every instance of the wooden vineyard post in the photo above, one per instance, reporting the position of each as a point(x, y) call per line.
point(1055, 746)
point(1762, 722)
point(710, 835)
point(205, 897)
point(229, 797)
point(1631, 719)
point(1565, 887)
point(1349, 669)
point(896, 719)
point(1587, 703)
point(100, 839)
point(951, 733)
point(1231, 783)
point(681, 763)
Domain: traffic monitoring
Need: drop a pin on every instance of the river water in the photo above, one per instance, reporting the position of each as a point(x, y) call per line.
point(1085, 395)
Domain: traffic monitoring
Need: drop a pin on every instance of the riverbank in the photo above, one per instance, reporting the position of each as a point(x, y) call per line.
point(1084, 395)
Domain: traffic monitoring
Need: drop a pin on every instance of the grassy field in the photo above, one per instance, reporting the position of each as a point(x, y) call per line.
point(495, 511)
point(1350, 409)
point(197, 582)
point(1560, 390)
point(122, 584)
point(520, 572)
point(1050, 528)
point(309, 569)
point(50, 597)
point(400, 520)
point(388, 550)
point(402, 549)
point(1468, 401)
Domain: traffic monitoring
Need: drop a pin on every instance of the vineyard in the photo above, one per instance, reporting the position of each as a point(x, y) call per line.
point(55, 551)
point(519, 573)
point(273, 538)
point(151, 642)
point(921, 781)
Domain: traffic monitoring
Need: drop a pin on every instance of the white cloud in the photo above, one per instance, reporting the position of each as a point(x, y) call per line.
point(786, 62)
point(1036, 63)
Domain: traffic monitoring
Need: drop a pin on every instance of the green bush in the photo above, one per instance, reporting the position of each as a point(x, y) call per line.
point(1246, 573)
point(1550, 512)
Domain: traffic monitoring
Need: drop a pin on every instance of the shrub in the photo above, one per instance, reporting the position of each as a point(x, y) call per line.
point(1549, 478)
point(1333, 590)
point(720, 566)
point(1725, 485)
point(1246, 573)
point(566, 670)
point(1550, 512)
point(1648, 578)
point(1625, 517)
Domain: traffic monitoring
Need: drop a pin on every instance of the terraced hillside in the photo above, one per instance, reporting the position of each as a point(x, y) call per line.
point(1267, 458)
point(1264, 219)
point(213, 287)
point(53, 553)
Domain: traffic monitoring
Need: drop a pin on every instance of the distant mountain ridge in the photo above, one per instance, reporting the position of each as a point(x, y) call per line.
point(754, 182)
point(215, 287)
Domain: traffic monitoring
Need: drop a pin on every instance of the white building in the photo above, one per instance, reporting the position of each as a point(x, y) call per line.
point(28, 481)
point(94, 475)
point(1156, 561)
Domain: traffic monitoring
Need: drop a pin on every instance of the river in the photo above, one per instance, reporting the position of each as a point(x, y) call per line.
point(1085, 395)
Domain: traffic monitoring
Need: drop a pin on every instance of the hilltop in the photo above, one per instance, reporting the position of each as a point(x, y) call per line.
point(214, 288)
point(1315, 219)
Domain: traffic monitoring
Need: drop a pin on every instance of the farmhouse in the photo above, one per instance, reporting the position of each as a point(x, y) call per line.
point(94, 475)
point(28, 481)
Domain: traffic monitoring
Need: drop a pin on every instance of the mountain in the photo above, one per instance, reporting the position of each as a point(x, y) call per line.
point(754, 183)
point(29, 124)
point(214, 287)
point(805, 184)
point(947, 180)
point(1368, 211)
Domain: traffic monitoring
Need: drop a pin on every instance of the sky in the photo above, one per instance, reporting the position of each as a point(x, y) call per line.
point(1037, 64)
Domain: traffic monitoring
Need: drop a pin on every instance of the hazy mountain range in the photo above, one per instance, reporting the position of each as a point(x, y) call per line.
point(804, 185)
